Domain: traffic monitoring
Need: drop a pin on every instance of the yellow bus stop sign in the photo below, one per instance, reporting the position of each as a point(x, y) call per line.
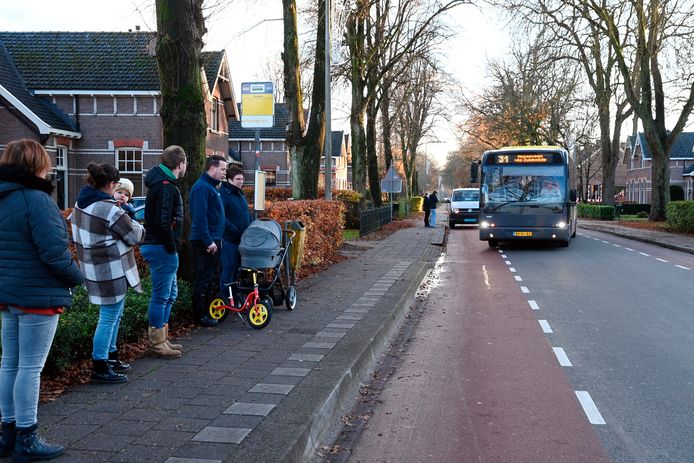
point(257, 105)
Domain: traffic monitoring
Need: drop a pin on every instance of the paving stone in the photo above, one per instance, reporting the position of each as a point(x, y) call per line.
point(221, 435)
point(306, 357)
point(290, 371)
point(350, 316)
point(191, 460)
point(272, 388)
point(329, 334)
point(358, 310)
point(320, 345)
point(240, 408)
point(341, 325)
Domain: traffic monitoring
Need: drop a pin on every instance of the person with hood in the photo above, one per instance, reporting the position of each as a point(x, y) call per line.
point(433, 204)
point(207, 228)
point(427, 210)
point(123, 195)
point(237, 218)
point(36, 276)
point(105, 237)
point(163, 225)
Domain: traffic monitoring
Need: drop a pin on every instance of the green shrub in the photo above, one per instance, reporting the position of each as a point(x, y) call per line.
point(680, 216)
point(73, 339)
point(642, 215)
point(596, 211)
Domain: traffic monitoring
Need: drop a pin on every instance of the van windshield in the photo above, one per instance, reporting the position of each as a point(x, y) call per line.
point(466, 195)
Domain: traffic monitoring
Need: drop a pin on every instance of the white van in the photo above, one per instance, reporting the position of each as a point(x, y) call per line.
point(465, 207)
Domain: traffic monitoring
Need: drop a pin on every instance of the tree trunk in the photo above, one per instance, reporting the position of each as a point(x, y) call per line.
point(372, 154)
point(355, 36)
point(181, 27)
point(386, 127)
point(358, 151)
point(660, 175)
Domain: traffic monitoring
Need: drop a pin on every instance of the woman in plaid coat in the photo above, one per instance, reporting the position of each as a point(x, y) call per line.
point(105, 237)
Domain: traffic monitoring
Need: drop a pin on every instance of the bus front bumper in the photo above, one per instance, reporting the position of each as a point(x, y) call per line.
point(524, 233)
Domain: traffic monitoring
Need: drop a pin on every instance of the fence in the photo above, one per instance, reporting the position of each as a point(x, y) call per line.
point(374, 219)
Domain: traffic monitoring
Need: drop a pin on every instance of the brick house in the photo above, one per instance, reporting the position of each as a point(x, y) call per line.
point(275, 158)
point(638, 179)
point(95, 97)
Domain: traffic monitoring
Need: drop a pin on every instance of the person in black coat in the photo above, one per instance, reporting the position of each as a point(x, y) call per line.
point(433, 204)
point(427, 210)
point(36, 276)
point(237, 218)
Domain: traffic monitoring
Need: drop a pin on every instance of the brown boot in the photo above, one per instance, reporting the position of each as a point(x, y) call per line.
point(157, 344)
point(169, 343)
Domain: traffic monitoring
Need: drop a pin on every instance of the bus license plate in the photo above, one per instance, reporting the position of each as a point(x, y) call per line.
point(524, 233)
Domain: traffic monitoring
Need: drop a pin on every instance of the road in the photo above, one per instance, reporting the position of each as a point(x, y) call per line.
point(536, 353)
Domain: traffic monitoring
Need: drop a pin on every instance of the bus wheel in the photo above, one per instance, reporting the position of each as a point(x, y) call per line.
point(492, 243)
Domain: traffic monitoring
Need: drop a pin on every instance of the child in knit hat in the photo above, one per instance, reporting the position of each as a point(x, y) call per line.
point(124, 191)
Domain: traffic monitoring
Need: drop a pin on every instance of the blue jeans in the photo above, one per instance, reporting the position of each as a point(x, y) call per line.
point(106, 333)
point(26, 341)
point(432, 218)
point(230, 263)
point(162, 267)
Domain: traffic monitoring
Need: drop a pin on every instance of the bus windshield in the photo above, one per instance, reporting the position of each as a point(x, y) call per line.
point(507, 188)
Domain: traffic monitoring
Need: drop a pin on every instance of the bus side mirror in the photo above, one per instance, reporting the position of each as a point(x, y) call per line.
point(473, 172)
point(572, 196)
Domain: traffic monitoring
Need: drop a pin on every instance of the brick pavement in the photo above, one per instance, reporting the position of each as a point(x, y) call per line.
point(246, 395)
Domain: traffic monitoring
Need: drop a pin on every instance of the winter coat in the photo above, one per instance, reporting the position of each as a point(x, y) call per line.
point(433, 201)
point(206, 211)
point(105, 236)
point(426, 204)
point(36, 266)
point(163, 210)
point(236, 214)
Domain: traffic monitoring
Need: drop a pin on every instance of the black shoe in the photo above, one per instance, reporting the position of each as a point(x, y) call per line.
point(104, 374)
point(207, 321)
point(30, 447)
point(8, 438)
point(116, 364)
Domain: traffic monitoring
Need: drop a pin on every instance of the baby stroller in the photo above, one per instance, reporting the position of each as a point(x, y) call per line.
point(264, 265)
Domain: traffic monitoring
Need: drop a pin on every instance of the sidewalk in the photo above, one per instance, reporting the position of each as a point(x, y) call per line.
point(664, 239)
point(247, 395)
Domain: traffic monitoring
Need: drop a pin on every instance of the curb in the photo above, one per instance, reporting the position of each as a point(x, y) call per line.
point(322, 427)
point(611, 231)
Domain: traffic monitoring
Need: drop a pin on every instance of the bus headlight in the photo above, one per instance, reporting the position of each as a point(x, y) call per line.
point(485, 224)
point(561, 225)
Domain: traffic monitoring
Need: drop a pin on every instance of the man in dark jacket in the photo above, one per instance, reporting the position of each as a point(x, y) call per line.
point(236, 218)
point(427, 210)
point(207, 213)
point(433, 204)
point(163, 225)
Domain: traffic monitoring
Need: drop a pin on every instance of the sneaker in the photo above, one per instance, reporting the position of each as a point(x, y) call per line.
point(207, 321)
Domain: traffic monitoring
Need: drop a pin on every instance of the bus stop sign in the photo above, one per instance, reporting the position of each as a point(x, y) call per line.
point(391, 183)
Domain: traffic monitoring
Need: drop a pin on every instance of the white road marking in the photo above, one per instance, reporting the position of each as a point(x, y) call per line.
point(508, 262)
point(517, 278)
point(661, 260)
point(533, 305)
point(562, 357)
point(682, 267)
point(606, 242)
point(503, 256)
point(590, 408)
point(629, 249)
point(617, 245)
point(644, 254)
point(501, 251)
point(486, 276)
point(545, 327)
point(513, 270)
point(524, 289)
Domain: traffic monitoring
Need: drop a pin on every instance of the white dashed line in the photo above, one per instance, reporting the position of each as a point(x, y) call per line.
point(644, 254)
point(596, 239)
point(606, 242)
point(533, 305)
point(524, 289)
point(508, 262)
point(562, 357)
point(517, 278)
point(617, 245)
point(682, 267)
point(503, 256)
point(501, 251)
point(589, 408)
point(629, 249)
point(661, 260)
point(545, 327)
point(513, 270)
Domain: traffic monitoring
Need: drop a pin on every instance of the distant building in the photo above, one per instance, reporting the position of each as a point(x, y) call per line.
point(341, 149)
point(96, 97)
point(638, 181)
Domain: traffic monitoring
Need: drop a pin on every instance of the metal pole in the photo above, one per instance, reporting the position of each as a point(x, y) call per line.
point(257, 166)
point(328, 145)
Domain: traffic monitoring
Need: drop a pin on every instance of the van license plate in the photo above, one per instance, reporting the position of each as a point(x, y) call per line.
point(522, 233)
point(470, 220)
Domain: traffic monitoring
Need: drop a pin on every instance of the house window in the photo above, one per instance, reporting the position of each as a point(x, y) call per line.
point(61, 176)
point(129, 162)
point(270, 178)
point(214, 116)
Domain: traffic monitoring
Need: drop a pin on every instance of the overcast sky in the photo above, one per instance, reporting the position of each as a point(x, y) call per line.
point(246, 30)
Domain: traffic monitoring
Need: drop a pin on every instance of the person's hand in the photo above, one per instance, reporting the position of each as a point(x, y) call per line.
point(212, 248)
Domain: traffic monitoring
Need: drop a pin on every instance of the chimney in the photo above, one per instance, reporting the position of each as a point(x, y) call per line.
point(137, 28)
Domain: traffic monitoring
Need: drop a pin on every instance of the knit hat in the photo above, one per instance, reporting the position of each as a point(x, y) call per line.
point(127, 185)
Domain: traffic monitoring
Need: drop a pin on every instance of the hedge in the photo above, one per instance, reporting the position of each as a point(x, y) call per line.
point(632, 208)
point(680, 216)
point(596, 211)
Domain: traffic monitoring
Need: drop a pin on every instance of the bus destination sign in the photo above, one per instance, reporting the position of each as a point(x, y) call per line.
point(524, 158)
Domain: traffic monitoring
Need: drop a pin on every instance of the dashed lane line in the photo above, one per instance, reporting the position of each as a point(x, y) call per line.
point(661, 260)
point(682, 267)
point(517, 278)
point(562, 357)
point(545, 327)
point(533, 305)
point(589, 407)
point(524, 289)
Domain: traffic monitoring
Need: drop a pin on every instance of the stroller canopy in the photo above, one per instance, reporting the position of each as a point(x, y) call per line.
point(261, 244)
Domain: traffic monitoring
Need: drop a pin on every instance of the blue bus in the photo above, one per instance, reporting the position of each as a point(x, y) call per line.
point(527, 193)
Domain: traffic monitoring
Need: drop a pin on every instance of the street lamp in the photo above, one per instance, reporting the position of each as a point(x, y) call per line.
point(328, 144)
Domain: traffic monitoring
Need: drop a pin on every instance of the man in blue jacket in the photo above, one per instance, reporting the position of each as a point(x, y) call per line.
point(207, 228)
point(237, 218)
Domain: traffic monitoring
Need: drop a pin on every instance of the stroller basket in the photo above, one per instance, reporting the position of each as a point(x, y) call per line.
point(261, 245)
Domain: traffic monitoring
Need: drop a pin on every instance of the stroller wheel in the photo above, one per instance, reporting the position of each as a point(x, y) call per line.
point(290, 300)
point(218, 309)
point(259, 315)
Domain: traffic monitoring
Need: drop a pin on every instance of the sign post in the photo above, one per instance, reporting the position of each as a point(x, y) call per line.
point(258, 112)
point(391, 183)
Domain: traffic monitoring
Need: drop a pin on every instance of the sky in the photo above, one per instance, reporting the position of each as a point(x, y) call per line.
point(251, 33)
